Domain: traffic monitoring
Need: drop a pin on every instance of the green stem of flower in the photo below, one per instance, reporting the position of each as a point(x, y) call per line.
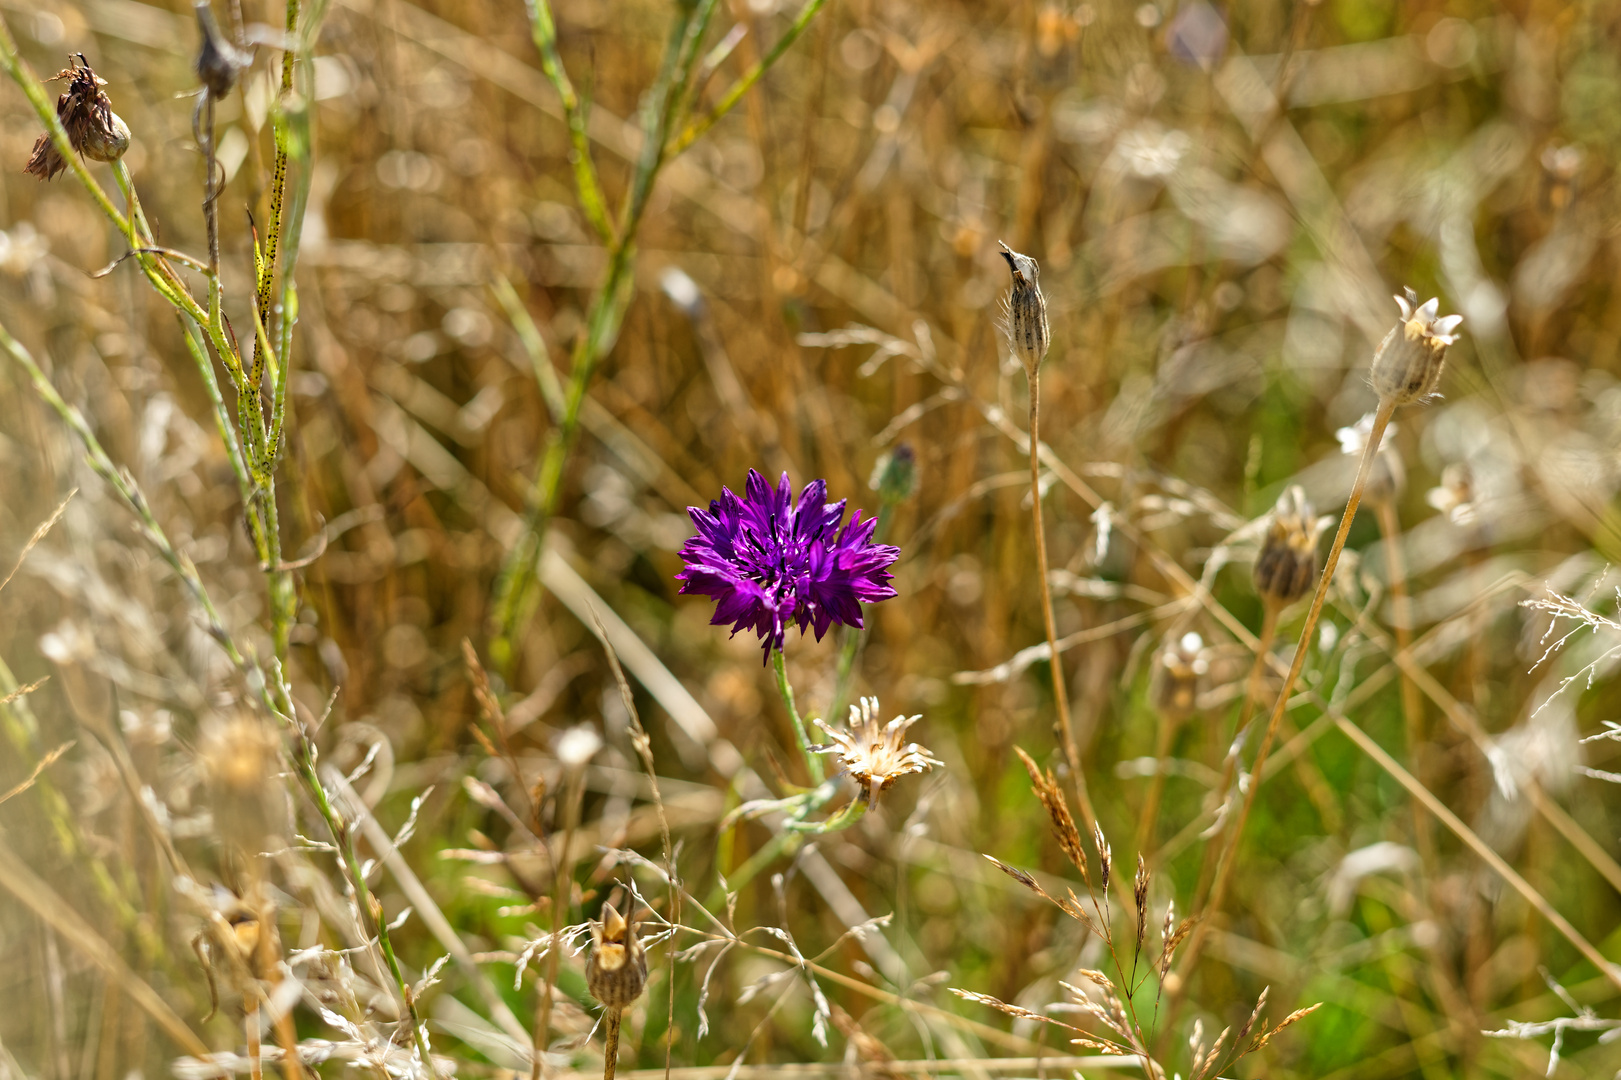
point(813, 763)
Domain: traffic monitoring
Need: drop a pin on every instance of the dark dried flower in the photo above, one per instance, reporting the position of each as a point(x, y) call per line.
point(1407, 366)
point(872, 751)
point(94, 130)
point(1287, 564)
point(1026, 310)
point(219, 63)
point(617, 969)
point(769, 562)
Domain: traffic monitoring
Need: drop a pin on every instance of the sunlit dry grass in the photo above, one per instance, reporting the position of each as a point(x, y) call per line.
point(815, 283)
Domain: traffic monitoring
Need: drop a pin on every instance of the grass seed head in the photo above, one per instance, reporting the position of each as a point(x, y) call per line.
point(1407, 366)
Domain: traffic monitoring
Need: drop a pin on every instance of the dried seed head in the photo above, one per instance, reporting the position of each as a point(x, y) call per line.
point(1026, 310)
point(872, 751)
point(94, 130)
point(617, 969)
point(1388, 478)
point(1407, 366)
point(894, 477)
point(1287, 564)
point(219, 63)
point(1179, 676)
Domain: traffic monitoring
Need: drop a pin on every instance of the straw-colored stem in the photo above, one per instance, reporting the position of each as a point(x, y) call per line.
point(562, 882)
point(610, 1048)
point(1224, 870)
point(1252, 696)
point(1412, 702)
point(1066, 731)
point(1163, 741)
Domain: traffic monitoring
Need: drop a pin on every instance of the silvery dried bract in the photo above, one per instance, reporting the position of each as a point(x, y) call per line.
point(1026, 310)
point(94, 130)
point(617, 970)
point(1388, 478)
point(1407, 366)
point(873, 752)
point(1287, 564)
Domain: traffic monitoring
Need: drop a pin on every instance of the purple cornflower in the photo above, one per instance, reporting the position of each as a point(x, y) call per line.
point(768, 562)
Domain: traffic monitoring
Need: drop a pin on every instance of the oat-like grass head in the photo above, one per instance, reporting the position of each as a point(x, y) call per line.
point(771, 562)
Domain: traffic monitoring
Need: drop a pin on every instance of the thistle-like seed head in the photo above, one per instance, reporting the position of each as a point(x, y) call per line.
point(617, 969)
point(94, 130)
point(1026, 310)
point(873, 752)
point(1287, 564)
point(1407, 366)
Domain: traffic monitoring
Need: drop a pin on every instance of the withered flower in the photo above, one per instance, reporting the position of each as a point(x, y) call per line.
point(1407, 366)
point(219, 63)
point(1026, 310)
point(617, 970)
point(1179, 676)
point(94, 130)
point(872, 750)
point(1287, 564)
point(1388, 479)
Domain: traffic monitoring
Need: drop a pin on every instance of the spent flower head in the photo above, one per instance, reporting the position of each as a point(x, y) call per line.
point(1287, 564)
point(86, 112)
point(617, 969)
point(769, 561)
point(1407, 366)
point(1389, 477)
point(1026, 313)
point(872, 751)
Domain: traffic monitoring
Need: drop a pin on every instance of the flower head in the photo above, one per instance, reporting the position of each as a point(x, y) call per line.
point(617, 969)
point(93, 128)
point(1407, 366)
point(769, 561)
point(1287, 563)
point(872, 751)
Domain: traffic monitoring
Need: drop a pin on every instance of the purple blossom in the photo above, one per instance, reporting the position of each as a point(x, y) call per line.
point(768, 562)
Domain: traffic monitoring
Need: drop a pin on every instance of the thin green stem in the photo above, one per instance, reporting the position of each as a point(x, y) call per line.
point(813, 761)
point(543, 29)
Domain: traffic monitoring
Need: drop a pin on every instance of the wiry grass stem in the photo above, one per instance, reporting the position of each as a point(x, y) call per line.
point(1224, 869)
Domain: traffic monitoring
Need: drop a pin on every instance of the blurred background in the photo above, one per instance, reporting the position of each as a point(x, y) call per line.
point(1223, 199)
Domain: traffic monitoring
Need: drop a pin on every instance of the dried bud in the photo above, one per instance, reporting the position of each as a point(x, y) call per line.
point(1407, 366)
point(1026, 310)
point(94, 130)
point(894, 478)
point(1287, 564)
point(1388, 478)
point(1179, 676)
point(219, 62)
point(617, 969)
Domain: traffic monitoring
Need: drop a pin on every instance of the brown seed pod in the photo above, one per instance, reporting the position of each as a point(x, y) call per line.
point(617, 969)
point(1287, 564)
point(1407, 366)
point(1026, 310)
point(219, 63)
